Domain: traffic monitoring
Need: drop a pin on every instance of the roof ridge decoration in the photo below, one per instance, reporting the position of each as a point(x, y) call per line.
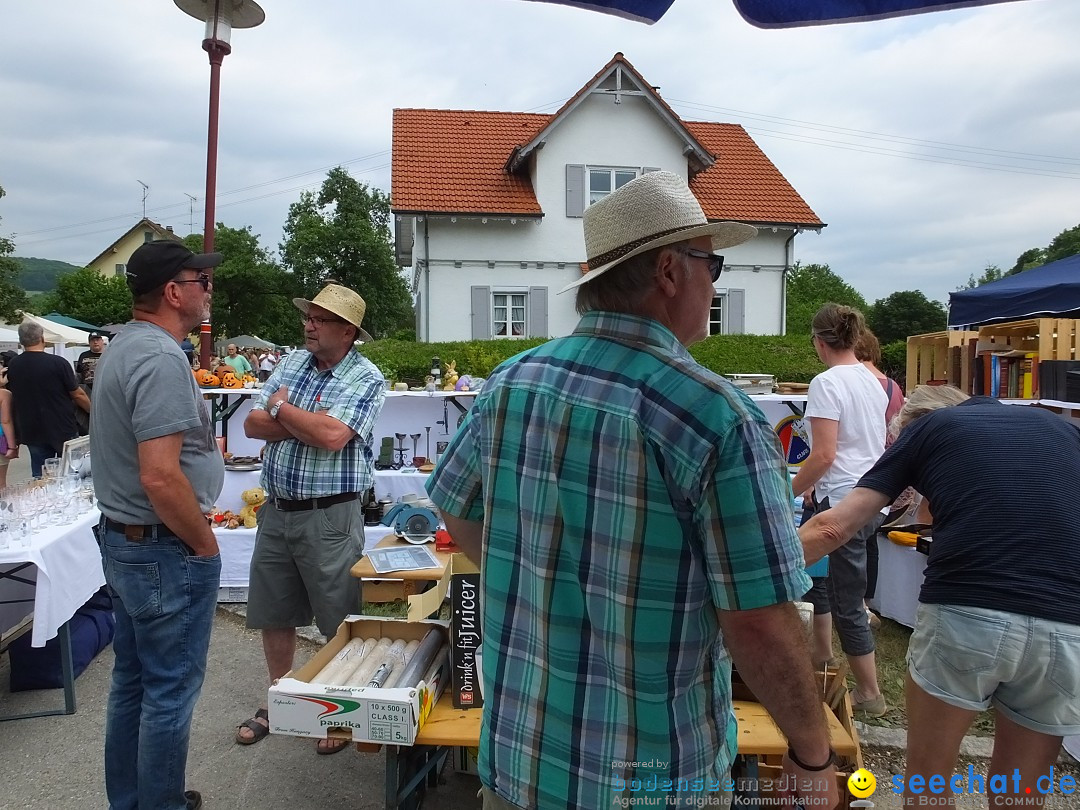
point(698, 156)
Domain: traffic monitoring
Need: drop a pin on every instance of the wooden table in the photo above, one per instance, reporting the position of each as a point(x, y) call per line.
point(397, 584)
point(447, 727)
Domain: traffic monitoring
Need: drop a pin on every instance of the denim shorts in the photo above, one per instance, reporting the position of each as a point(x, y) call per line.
point(1028, 668)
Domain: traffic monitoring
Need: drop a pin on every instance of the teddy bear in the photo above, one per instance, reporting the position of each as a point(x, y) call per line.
point(253, 498)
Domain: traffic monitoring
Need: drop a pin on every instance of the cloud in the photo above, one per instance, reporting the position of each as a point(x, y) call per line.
point(931, 145)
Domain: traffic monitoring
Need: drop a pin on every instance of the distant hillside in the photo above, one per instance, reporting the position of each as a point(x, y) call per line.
point(39, 275)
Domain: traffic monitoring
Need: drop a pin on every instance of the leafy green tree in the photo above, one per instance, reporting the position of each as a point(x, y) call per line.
point(343, 233)
point(12, 296)
point(809, 288)
point(252, 294)
point(1065, 244)
point(991, 273)
point(1033, 257)
point(905, 313)
point(89, 296)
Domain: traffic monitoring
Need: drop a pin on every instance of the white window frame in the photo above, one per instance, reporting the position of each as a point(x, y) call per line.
point(509, 307)
point(629, 173)
point(718, 314)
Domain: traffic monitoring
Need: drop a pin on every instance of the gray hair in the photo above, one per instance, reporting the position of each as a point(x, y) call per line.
point(923, 400)
point(623, 288)
point(31, 334)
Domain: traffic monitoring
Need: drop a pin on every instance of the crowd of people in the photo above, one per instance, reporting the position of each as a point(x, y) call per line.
point(630, 512)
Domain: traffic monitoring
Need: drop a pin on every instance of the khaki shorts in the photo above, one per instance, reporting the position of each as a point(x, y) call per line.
point(1028, 668)
point(300, 567)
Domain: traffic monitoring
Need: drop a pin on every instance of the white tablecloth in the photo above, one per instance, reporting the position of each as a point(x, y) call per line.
point(68, 572)
point(900, 576)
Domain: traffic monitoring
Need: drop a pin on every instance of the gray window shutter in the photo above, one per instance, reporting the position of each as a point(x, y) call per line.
point(417, 310)
point(648, 169)
point(481, 313)
point(538, 312)
point(575, 189)
point(736, 301)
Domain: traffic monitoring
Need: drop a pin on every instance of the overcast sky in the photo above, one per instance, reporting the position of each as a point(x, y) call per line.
point(932, 146)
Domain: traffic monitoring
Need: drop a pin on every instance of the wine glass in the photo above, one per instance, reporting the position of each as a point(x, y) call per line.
point(75, 461)
point(5, 517)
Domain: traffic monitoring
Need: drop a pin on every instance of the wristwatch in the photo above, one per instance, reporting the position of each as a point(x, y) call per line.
point(275, 408)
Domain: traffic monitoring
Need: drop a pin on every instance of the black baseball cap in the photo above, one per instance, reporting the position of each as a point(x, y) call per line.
point(156, 263)
point(93, 335)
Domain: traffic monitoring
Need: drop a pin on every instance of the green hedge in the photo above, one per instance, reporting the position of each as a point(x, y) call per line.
point(789, 358)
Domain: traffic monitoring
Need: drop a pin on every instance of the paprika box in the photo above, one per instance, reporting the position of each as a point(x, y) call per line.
point(300, 708)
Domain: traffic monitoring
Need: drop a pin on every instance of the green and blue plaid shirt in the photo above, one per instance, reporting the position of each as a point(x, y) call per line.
point(352, 392)
point(627, 494)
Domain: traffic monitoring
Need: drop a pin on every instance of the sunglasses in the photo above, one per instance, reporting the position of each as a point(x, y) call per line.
point(203, 279)
point(716, 262)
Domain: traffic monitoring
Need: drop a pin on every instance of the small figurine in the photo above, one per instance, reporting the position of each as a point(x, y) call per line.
point(464, 383)
point(253, 499)
point(429, 384)
point(451, 376)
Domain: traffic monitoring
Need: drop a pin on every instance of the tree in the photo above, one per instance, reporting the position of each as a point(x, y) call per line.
point(905, 313)
point(1065, 244)
point(12, 296)
point(343, 233)
point(1032, 257)
point(89, 296)
point(809, 288)
point(991, 273)
point(252, 294)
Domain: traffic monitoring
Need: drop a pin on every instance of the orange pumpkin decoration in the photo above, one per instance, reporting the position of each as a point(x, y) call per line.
point(212, 381)
point(230, 380)
point(223, 369)
point(205, 378)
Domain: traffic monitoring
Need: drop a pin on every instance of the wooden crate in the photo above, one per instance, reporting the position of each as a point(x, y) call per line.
point(939, 356)
point(1050, 338)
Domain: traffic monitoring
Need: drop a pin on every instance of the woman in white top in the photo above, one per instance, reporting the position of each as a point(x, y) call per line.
point(846, 411)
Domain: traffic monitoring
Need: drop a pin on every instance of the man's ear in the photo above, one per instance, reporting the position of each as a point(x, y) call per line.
point(670, 272)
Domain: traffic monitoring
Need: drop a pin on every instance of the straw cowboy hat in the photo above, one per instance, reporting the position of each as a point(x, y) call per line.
point(654, 210)
point(343, 302)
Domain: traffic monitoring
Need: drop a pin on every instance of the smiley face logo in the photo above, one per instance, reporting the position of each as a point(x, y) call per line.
point(862, 784)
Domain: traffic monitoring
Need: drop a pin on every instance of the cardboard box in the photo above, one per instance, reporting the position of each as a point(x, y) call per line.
point(361, 714)
point(465, 635)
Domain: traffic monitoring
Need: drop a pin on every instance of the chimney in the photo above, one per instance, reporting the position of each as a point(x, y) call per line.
point(169, 228)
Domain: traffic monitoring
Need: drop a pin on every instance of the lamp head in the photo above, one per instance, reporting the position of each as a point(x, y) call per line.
point(221, 16)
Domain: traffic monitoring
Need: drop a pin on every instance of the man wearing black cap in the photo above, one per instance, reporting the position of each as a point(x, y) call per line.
point(157, 472)
point(84, 372)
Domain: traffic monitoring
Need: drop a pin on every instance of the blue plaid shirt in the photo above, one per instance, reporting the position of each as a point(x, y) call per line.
point(627, 495)
point(352, 392)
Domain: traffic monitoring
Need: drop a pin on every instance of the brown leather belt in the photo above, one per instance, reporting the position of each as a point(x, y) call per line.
point(138, 533)
point(314, 503)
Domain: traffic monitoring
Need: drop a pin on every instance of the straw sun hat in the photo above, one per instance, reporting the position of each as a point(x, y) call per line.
point(654, 210)
point(343, 302)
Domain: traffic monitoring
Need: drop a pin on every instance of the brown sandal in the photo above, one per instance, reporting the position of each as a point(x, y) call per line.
point(257, 729)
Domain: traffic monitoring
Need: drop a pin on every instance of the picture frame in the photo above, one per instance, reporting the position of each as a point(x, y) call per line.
point(75, 448)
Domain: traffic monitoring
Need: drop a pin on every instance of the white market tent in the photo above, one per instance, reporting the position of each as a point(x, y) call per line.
point(57, 333)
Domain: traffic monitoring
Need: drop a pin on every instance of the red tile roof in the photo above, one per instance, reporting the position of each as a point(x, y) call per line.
point(744, 184)
point(451, 161)
point(455, 162)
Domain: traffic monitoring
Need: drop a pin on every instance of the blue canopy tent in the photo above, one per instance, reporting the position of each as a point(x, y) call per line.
point(784, 13)
point(1053, 289)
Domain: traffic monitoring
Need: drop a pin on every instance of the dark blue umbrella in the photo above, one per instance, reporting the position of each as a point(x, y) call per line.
point(785, 13)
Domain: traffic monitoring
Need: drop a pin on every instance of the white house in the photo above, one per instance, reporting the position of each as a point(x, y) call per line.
point(488, 206)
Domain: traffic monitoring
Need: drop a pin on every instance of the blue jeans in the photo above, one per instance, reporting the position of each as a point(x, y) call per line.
point(38, 454)
point(164, 605)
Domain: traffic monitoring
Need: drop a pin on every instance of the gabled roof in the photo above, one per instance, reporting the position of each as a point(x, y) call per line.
point(618, 77)
point(462, 161)
point(744, 184)
point(159, 231)
point(451, 162)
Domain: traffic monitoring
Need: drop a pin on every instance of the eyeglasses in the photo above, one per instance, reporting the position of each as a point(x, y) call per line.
point(203, 279)
point(716, 262)
point(319, 322)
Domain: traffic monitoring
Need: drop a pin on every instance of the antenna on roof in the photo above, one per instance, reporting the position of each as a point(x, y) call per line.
point(191, 213)
point(145, 194)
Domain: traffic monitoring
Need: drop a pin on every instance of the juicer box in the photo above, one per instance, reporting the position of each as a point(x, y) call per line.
point(300, 708)
point(465, 634)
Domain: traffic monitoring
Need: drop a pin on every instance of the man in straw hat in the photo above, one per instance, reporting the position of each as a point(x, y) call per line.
point(633, 516)
point(157, 472)
point(316, 413)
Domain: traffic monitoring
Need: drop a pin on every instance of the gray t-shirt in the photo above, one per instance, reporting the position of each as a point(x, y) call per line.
point(144, 389)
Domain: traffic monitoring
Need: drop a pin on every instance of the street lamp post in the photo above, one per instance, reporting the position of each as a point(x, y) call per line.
point(220, 16)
